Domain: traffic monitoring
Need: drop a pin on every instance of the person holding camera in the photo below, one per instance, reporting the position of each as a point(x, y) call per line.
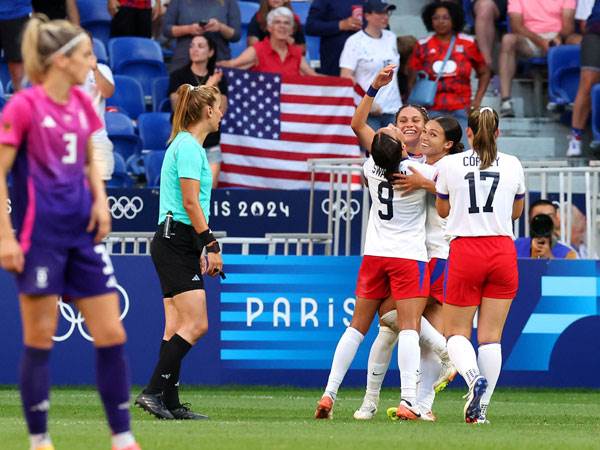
point(542, 243)
point(176, 249)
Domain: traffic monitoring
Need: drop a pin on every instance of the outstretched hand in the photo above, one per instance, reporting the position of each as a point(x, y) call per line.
point(384, 76)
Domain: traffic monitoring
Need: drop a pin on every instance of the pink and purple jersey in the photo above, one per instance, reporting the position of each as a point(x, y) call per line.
point(51, 199)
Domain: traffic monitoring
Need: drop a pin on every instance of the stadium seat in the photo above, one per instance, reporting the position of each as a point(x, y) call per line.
point(128, 96)
point(122, 134)
point(153, 163)
point(2, 102)
point(4, 74)
point(313, 53)
point(563, 74)
point(301, 10)
point(238, 47)
point(137, 57)
point(160, 99)
point(100, 51)
point(95, 18)
point(155, 129)
point(468, 10)
point(120, 178)
point(596, 115)
point(537, 68)
point(247, 11)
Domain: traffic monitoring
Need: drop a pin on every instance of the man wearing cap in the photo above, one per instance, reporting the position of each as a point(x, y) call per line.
point(368, 51)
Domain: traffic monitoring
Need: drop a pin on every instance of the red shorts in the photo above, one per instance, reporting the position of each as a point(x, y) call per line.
point(479, 267)
point(437, 274)
point(380, 276)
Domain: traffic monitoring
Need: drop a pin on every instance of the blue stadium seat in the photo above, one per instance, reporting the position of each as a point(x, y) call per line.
point(596, 115)
point(122, 134)
point(468, 10)
point(247, 11)
point(4, 74)
point(137, 57)
point(95, 18)
point(120, 178)
point(2, 102)
point(128, 96)
point(238, 47)
point(160, 99)
point(313, 52)
point(100, 51)
point(155, 129)
point(301, 10)
point(563, 74)
point(153, 163)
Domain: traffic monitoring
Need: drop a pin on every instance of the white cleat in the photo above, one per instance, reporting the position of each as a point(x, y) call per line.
point(367, 410)
point(472, 408)
point(428, 417)
point(447, 374)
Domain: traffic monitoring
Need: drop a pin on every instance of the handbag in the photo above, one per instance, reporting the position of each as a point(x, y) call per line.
point(424, 90)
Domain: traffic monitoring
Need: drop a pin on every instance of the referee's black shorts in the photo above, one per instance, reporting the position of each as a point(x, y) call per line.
point(176, 260)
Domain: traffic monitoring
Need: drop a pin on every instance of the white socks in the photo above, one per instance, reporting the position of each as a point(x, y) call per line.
point(342, 358)
point(432, 339)
point(37, 440)
point(490, 364)
point(409, 355)
point(430, 371)
point(122, 440)
point(462, 355)
point(379, 360)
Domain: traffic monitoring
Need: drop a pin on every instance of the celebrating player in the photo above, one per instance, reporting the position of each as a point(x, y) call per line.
point(61, 216)
point(479, 191)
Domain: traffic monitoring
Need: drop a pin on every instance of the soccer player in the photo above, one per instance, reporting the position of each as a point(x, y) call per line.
point(480, 192)
point(396, 227)
point(60, 215)
point(182, 235)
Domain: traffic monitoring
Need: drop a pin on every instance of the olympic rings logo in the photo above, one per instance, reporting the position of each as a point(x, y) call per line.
point(77, 320)
point(125, 207)
point(342, 209)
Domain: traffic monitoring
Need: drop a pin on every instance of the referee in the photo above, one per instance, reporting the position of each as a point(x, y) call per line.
point(183, 233)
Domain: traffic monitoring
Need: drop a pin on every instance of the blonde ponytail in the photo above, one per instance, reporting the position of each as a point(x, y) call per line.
point(190, 103)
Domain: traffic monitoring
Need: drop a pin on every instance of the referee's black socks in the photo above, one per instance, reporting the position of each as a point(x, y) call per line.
point(166, 373)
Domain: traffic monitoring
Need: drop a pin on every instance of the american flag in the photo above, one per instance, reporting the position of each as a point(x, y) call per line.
point(275, 123)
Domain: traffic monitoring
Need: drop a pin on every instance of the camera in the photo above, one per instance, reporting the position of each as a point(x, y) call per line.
point(541, 226)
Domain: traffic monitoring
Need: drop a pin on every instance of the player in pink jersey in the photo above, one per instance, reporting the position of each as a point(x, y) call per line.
point(480, 192)
point(60, 216)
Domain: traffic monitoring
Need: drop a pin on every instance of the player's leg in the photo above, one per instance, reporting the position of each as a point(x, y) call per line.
point(102, 317)
point(172, 324)
point(39, 319)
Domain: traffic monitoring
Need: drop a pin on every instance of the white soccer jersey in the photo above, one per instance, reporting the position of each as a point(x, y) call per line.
point(481, 201)
point(435, 229)
point(396, 222)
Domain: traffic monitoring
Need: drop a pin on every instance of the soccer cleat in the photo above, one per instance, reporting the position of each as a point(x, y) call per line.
point(185, 413)
point(428, 417)
point(574, 147)
point(473, 406)
point(324, 408)
point(134, 446)
point(404, 411)
point(367, 410)
point(447, 374)
point(153, 403)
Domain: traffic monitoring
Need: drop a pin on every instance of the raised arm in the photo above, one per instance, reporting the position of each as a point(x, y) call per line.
point(246, 60)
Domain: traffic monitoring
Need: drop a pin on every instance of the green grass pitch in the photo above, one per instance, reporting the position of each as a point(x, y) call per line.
point(281, 418)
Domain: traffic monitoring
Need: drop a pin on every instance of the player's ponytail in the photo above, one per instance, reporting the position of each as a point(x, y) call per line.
point(452, 132)
point(191, 101)
point(43, 39)
point(483, 122)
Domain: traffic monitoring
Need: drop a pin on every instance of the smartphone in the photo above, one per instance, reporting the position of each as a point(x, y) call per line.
point(202, 23)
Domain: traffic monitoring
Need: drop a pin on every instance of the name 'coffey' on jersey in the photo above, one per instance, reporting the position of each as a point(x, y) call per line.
point(481, 201)
point(396, 226)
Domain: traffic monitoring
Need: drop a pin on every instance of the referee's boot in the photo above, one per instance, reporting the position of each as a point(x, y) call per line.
point(153, 403)
point(183, 412)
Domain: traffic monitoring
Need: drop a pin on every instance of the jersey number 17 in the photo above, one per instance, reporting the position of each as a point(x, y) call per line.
point(488, 207)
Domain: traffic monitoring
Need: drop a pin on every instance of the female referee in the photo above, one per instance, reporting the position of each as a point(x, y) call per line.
point(182, 235)
point(480, 192)
point(60, 215)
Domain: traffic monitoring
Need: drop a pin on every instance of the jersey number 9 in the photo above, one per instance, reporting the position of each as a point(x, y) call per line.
point(386, 200)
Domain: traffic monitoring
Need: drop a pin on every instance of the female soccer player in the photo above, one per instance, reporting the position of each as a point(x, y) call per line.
point(185, 188)
point(60, 215)
point(396, 227)
point(480, 192)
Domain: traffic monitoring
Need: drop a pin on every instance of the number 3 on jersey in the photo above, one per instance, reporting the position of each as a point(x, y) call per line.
point(488, 207)
point(71, 148)
point(385, 193)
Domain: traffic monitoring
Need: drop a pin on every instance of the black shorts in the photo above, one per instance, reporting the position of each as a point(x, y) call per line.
point(176, 261)
point(131, 22)
point(10, 38)
point(590, 53)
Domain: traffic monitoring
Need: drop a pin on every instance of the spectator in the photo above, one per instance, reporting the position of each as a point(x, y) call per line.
point(201, 71)
point(132, 17)
point(453, 97)
point(544, 240)
point(487, 13)
point(13, 15)
point(368, 51)
point(406, 45)
point(58, 9)
point(590, 75)
point(578, 231)
point(274, 53)
point(333, 21)
point(257, 28)
point(536, 26)
point(100, 85)
point(219, 19)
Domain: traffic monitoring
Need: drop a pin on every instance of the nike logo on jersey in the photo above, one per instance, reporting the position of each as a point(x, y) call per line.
point(48, 122)
point(196, 278)
point(377, 374)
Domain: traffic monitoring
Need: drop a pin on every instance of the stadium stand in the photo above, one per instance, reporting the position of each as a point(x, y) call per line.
point(301, 10)
point(563, 74)
point(120, 177)
point(153, 163)
point(100, 51)
point(4, 74)
point(122, 134)
point(596, 115)
point(154, 128)
point(95, 18)
point(128, 96)
point(160, 99)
